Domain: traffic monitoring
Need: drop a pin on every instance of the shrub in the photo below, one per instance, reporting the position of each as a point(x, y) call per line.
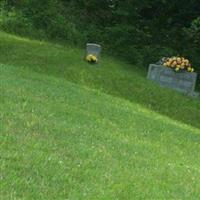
point(193, 32)
point(13, 21)
point(152, 54)
point(192, 42)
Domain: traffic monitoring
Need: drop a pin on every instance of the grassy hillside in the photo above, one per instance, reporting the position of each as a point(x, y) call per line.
point(111, 76)
point(63, 141)
point(74, 131)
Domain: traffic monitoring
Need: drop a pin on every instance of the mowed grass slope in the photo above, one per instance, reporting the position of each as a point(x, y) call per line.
point(63, 141)
point(70, 130)
point(111, 76)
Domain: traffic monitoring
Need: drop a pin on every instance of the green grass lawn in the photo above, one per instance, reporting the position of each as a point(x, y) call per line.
point(74, 131)
point(111, 76)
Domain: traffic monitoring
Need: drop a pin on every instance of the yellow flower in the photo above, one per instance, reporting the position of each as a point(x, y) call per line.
point(91, 58)
point(94, 58)
point(183, 65)
point(176, 69)
point(190, 69)
point(88, 58)
point(186, 60)
point(165, 64)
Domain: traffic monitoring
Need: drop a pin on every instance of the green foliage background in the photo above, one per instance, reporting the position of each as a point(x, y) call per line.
point(139, 31)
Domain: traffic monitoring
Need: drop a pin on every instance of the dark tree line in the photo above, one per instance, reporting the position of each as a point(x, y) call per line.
point(140, 31)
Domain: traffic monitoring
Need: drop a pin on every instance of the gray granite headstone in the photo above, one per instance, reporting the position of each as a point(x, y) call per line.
point(94, 49)
point(181, 81)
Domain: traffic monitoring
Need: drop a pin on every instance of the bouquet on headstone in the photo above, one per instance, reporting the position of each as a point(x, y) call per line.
point(91, 58)
point(178, 64)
